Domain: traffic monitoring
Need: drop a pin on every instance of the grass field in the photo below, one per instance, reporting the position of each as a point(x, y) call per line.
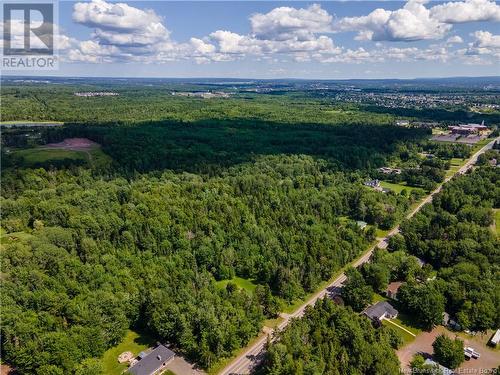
point(133, 342)
point(455, 164)
point(402, 320)
point(398, 188)
point(273, 323)
point(39, 155)
point(246, 284)
point(405, 336)
point(33, 156)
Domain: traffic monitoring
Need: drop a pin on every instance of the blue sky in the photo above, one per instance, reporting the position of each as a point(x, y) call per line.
point(265, 39)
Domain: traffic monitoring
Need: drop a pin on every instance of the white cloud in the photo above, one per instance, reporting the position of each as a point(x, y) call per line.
point(285, 23)
point(410, 23)
point(454, 40)
point(121, 32)
point(485, 39)
point(110, 20)
point(466, 11)
point(283, 30)
point(484, 50)
point(124, 33)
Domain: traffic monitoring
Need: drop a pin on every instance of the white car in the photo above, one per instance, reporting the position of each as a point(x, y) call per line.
point(470, 352)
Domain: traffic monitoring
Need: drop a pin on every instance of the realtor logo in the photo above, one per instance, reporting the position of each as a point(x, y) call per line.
point(28, 36)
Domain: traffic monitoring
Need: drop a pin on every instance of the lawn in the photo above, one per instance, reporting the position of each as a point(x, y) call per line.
point(483, 142)
point(33, 156)
point(39, 155)
point(381, 233)
point(405, 336)
point(455, 164)
point(273, 323)
point(402, 320)
point(398, 188)
point(378, 298)
point(133, 342)
point(242, 283)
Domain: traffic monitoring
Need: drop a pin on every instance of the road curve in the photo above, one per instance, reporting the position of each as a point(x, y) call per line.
point(245, 362)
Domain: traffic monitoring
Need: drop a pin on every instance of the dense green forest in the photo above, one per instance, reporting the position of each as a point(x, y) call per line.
point(332, 340)
point(90, 254)
point(264, 187)
point(453, 236)
point(142, 103)
point(211, 146)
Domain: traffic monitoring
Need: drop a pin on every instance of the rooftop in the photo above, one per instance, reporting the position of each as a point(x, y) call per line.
point(151, 362)
point(394, 286)
point(380, 310)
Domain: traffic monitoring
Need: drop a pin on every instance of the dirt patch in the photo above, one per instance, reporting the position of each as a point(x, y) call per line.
point(423, 345)
point(6, 370)
point(73, 144)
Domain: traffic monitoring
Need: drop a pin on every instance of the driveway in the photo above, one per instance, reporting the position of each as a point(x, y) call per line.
point(181, 367)
point(423, 345)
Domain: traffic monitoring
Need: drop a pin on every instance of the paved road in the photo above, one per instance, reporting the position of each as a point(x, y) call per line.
point(246, 361)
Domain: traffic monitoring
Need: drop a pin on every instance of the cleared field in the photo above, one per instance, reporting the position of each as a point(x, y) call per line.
point(133, 342)
point(246, 284)
point(398, 188)
point(34, 156)
point(43, 155)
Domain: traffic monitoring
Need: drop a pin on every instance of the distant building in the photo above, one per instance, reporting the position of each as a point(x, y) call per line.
point(495, 339)
point(402, 123)
point(95, 93)
point(380, 311)
point(444, 370)
point(373, 183)
point(392, 289)
point(469, 129)
point(153, 362)
point(388, 170)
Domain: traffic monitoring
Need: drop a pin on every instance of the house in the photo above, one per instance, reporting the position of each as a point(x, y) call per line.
point(444, 370)
point(392, 289)
point(380, 311)
point(153, 362)
point(495, 339)
point(389, 170)
point(402, 123)
point(373, 183)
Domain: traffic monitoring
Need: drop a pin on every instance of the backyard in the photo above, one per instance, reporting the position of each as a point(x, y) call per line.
point(134, 342)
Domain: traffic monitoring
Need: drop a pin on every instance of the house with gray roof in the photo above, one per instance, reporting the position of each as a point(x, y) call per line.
point(153, 362)
point(381, 310)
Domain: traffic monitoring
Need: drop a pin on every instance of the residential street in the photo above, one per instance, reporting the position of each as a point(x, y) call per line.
point(244, 363)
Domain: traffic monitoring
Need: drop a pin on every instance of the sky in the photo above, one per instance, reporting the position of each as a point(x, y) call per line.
point(284, 39)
